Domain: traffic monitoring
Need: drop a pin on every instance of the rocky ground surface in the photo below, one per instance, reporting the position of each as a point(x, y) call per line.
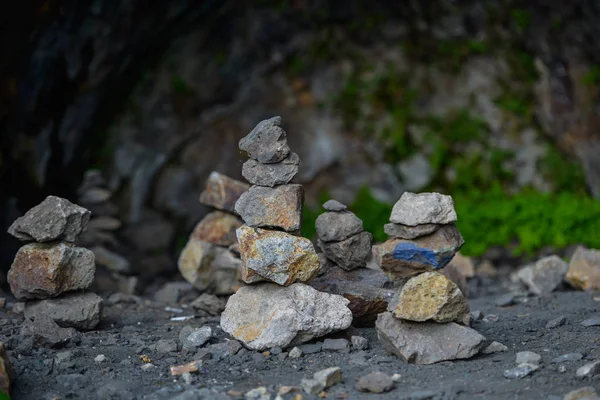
point(129, 355)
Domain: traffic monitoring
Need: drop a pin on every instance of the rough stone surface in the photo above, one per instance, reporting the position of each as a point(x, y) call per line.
point(519, 372)
point(359, 343)
point(556, 322)
point(427, 342)
point(584, 269)
point(271, 175)
point(222, 192)
point(589, 370)
point(278, 207)
point(423, 208)
point(584, 393)
point(53, 219)
point(6, 372)
point(218, 228)
point(375, 382)
point(334, 205)
point(340, 345)
point(336, 226)
point(209, 303)
point(322, 380)
point(528, 357)
point(267, 315)
point(430, 296)
point(276, 256)
point(350, 253)
point(196, 338)
point(44, 270)
point(72, 310)
point(464, 264)
point(267, 142)
point(544, 276)
point(494, 347)
point(44, 332)
point(402, 258)
point(399, 231)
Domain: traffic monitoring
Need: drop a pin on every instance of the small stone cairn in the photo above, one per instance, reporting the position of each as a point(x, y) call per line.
point(425, 322)
point(277, 309)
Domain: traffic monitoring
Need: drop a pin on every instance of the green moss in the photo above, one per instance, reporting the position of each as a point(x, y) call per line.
point(565, 175)
point(522, 19)
point(372, 212)
point(592, 76)
point(179, 85)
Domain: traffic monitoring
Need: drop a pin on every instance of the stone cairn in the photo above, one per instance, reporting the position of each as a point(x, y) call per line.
point(277, 309)
point(52, 273)
point(426, 319)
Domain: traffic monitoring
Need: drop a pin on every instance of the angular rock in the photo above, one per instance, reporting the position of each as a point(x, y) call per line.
point(334, 205)
point(278, 207)
point(427, 342)
point(424, 208)
point(222, 192)
point(400, 231)
point(430, 296)
point(276, 256)
point(196, 338)
point(544, 276)
point(267, 142)
point(375, 382)
point(218, 228)
point(53, 219)
point(171, 292)
point(336, 226)
point(359, 343)
point(528, 357)
point(584, 393)
point(209, 303)
point(350, 253)
point(405, 258)
point(322, 380)
point(6, 372)
point(271, 175)
point(556, 322)
point(584, 269)
point(72, 310)
point(110, 260)
point(44, 270)
point(266, 315)
point(520, 371)
point(44, 332)
point(494, 347)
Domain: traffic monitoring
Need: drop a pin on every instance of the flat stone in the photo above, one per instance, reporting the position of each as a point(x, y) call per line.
point(311, 348)
point(278, 207)
point(53, 219)
point(72, 310)
point(322, 380)
point(519, 372)
point(267, 142)
point(334, 205)
point(312, 386)
point(427, 342)
point(588, 370)
point(266, 315)
point(556, 322)
point(222, 192)
point(375, 382)
point(45, 270)
point(567, 358)
point(44, 332)
point(276, 256)
point(209, 303)
point(544, 276)
point(350, 253)
point(6, 371)
point(271, 175)
point(592, 321)
point(402, 258)
point(423, 208)
point(400, 231)
point(336, 345)
point(528, 357)
point(494, 347)
point(584, 393)
point(164, 346)
point(197, 338)
point(110, 260)
point(584, 269)
point(217, 228)
point(430, 296)
point(336, 226)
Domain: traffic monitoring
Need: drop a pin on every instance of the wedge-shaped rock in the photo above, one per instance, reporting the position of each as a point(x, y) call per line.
point(53, 219)
point(276, 256)
point(350, 253)
point(266, 315)
point(335, 226)
point(218, 228)
point(427, 342)
point(430, 296)
point(271, 175)
point(222, 192)
point(6, 372)
point(267, 142)
point(423, 208)
point(405, 258)
point(73, 310)
point(584, 269)
point(544, 276)
point(43, 270)
point(278, 207)
point(399, 231)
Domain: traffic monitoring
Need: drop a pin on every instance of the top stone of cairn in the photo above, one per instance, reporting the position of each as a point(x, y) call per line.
point(423, 208)
point(267, 142)
point(334, 205)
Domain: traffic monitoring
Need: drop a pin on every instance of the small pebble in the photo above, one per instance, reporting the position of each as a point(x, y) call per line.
point(312, 348)
point(376, 382)
point(556, 322)
point(562, 369)
point(567, 357)
point(295, 353)
point(505, 300)
point(528, 357)
point(100, 358)
point(589, 370)
point(490, 318)
point(519, 372)
point(359, 343)
point(592, 321)
point(147, 367)
point(337, 345)
point(259, 393)
point(396, 377)
point(187, 378)
point(494, 347)
point(584, 393)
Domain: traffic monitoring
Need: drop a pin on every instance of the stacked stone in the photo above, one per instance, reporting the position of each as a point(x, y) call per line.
point(48, 271)
point(210, 260)
point(277, 309)
point(422, 324)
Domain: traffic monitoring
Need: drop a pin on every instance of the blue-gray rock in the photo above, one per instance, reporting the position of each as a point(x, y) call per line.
point(271, 175)
point(336, 345)
point(567, 357)
point(519, 372)
point(556, 322)
point(592, 321)
point(505, 300)
point(267, 142)
point(423, 208)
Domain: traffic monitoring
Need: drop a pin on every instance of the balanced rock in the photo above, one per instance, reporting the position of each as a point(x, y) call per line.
point(430, 296)
point(276, 256)
point(334, 226)
point(400, 231)
point(73, 310)
point(544, 276)
point(218, 228)
point(53, 219)
point(266, 315)
point(402, 258)
point(423, 208)
point(427, 342)
point(584, 269)
point(267, 142)
point(334, 205)
point(43, 270)
point(278, 207)
point(6, 372)
point(271, 175)
point(222, 192)
point(349, 253)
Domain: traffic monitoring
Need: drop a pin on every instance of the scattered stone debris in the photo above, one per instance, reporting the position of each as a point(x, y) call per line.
point(584, 269)
point(519, 372)
point(545, 276)
point(322, 380)
point(222, 192)
point(259, 393)
point(100, 358)
point(375, 382)
point(6, 372)
point(44, 332)
point(494, 347)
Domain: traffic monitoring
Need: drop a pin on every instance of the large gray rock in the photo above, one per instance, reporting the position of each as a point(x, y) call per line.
point(266, 315)
point(400, 231)
point(271, 175)
point(72, 310)
point(423, 208)
point(53, 219)
point(336, 226)
point(267, 142)
point(427, 342)
point(544, 276)
point(350, 253)
point(278, 207)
